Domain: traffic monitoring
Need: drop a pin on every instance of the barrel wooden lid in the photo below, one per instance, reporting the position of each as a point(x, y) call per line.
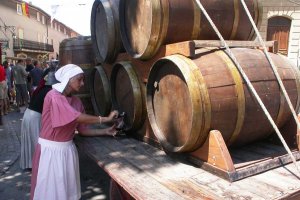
point(139, 24)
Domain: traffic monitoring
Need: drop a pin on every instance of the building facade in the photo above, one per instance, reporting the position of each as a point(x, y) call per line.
point(281, 21)
point(27, 31)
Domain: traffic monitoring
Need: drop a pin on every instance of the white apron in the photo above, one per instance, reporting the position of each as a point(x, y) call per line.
point(58, 172)
point(30, 130)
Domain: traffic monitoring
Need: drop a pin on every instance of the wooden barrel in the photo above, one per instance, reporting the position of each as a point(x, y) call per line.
point(188, 98)
point(146, 25)
point(105, 31)
point(79, 51)
point(100, 91)
point(128, 95)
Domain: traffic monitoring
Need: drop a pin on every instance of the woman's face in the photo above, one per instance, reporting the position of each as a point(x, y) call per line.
point(76, 82)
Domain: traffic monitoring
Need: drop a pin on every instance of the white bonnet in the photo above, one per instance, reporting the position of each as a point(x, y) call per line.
point(64, 74)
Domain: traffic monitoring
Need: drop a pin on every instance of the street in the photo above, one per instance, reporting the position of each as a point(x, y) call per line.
point(15, 183)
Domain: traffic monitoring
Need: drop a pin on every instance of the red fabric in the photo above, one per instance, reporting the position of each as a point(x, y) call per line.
point(2, 74)
point(27, 9)
point(40, 86)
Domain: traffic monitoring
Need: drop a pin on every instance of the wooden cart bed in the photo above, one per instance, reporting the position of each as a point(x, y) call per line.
point(146, 172)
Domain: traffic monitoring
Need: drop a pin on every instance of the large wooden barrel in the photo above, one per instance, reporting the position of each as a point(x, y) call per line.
point(188, 98)
point(128, 95)
point(100, 91)
point(79, 51)
point(105, 31)
point(147, 24)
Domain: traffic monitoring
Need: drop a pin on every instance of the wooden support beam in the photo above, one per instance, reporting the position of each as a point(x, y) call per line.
point(232, 43)
point(214, 151)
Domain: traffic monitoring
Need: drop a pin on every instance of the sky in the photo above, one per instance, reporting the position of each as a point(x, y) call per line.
point(75, 14)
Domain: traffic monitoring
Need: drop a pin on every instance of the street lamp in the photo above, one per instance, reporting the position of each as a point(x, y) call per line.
point(14, 35)
point(10, 28)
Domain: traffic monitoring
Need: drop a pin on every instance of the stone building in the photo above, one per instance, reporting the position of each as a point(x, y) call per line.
point(281, 21)
point(27, 31)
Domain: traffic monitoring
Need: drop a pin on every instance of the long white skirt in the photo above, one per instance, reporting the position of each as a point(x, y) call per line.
point(30, 130)
point(58, 172)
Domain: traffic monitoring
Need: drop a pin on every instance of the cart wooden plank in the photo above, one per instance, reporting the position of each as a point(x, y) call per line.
point(146, 172)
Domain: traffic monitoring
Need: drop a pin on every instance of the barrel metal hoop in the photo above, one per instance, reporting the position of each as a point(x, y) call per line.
point(160, 21)
point(281, 110)
point(110, 29)
point(106, 88)
point(85, 66)
point(236, 19)
point(138, 117)
point(165, 23)
point(283, 102)
point(159, 29)
point(239, 88)
point(194, 92)
point(93, 29)
point(297, 79)
point(206, 104)
point(197, 22)
point(258, 12)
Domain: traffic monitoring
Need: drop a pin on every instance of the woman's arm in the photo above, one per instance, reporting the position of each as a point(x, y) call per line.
point(91, 119)
point(111, 131)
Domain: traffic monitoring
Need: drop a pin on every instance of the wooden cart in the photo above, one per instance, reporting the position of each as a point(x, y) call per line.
point(146, 172)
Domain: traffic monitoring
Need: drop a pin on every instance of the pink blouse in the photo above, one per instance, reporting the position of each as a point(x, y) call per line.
point(59, 117)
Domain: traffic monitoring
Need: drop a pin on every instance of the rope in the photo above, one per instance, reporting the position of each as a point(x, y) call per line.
point(275, 72)
point(252, 89)
point(272, 65)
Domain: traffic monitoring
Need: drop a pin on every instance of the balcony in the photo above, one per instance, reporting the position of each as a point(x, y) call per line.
point(20, 45)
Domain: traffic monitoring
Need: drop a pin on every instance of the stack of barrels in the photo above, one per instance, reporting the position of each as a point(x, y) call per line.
point(184, 98)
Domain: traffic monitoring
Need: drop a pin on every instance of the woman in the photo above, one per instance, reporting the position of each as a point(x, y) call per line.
point(55, 170)
point(31, 123)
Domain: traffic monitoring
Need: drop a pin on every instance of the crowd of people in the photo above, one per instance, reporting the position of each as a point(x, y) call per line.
point(17, 83)
point(52, 116)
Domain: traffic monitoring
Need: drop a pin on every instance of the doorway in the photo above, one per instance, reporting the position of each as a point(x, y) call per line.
point(279, 29)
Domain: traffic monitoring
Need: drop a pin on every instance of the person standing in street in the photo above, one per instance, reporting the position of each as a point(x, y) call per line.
point(36, 74)
point(9, 81)
point(20, 77)
point(31, 123)
point(3, 91)
point(29, 67)
point(55, 166)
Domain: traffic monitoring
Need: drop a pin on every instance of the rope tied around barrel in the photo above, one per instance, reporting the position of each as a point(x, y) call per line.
point(248, 82)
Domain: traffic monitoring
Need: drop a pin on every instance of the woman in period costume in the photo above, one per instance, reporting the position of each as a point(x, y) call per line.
point(55, 169)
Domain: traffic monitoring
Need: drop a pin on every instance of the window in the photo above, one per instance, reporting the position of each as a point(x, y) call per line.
point(21, 33)
point(43, 19)
point(52, 41)
point(51, 24)
point(19, 9)
point(65, 31)
point(55, 26)
point(58, 28)
point(38, 16)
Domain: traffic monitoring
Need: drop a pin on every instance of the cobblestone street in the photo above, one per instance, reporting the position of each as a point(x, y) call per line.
point(15, 183)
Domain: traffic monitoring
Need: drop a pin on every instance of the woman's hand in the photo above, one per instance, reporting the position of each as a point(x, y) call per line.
point(111, 131)
point(113, 115)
